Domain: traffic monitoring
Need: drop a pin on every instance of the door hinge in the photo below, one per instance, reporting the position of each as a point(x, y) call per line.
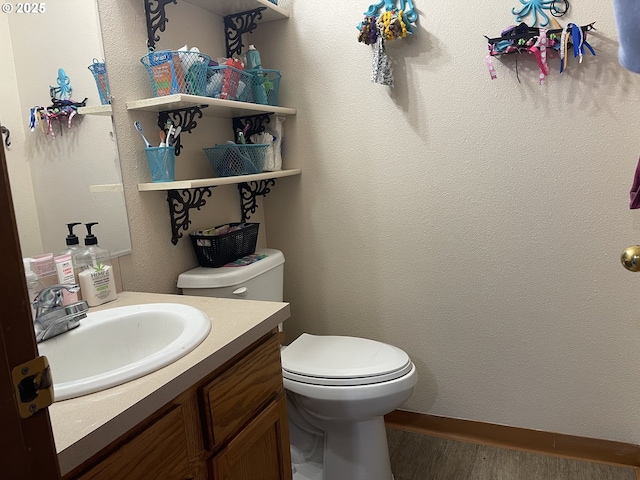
point(33, 385)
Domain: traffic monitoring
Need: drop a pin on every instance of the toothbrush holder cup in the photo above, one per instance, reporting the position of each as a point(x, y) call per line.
point(162, 163)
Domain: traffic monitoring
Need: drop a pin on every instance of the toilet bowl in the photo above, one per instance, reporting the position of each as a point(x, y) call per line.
point(338, 388)
point(343, 387)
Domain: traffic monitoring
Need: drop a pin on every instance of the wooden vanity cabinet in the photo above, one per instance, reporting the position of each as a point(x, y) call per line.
point(230, 426)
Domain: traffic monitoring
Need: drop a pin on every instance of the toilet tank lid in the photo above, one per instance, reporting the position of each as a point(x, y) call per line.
point(203, 277)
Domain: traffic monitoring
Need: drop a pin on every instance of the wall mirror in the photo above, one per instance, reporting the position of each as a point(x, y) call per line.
point(67, 174)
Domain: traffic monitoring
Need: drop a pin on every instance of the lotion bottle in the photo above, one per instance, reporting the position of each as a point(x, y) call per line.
point(255, 65)
point(73, 249)
point(96, 279)
point(253, 58)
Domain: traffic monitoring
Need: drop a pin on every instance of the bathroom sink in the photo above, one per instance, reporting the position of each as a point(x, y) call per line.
point(115, 346)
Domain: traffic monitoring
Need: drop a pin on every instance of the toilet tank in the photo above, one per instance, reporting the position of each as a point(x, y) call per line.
point(261, 280)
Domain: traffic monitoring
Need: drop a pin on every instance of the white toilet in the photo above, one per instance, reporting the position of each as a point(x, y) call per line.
point(338, 388)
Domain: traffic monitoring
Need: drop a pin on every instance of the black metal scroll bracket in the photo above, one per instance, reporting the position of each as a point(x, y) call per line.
point(183, 117)
point(238, 23)
point(256, 124)
point(156, 19)
point(180, 202)
point(5, 131)
point(248, 193)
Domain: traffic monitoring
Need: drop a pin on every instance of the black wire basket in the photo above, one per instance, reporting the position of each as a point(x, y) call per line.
point(218, 250)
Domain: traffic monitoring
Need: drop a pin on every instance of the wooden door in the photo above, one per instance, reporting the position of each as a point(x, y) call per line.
point(260, 451)
point(27, 449)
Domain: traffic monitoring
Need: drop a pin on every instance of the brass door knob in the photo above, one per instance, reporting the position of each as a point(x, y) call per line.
point(630, 258)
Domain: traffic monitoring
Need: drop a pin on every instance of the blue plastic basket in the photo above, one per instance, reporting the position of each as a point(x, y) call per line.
point(99, 71)
point(265, 86)
point(177, 72)
point(234, 159)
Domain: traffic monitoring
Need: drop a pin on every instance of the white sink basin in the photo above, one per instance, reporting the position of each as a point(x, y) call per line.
point(115, 346)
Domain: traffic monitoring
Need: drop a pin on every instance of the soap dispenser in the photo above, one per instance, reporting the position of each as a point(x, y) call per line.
point(96, 279)
point(72, 241)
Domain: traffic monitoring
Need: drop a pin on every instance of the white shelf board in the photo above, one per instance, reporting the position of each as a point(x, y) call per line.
point(106, 188)
point(216, 106)
point(96, 110)
point(214, 182)
point(227, 7)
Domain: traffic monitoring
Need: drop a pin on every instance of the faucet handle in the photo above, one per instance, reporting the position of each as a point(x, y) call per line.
point(51, 297)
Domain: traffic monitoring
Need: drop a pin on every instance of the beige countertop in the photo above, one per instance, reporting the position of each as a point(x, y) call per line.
point(85, 425)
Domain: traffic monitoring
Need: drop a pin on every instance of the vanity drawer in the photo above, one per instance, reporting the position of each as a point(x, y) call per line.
point(160, 451)
point(242, 391)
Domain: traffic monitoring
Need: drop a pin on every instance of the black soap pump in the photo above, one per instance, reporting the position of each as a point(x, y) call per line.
point(96, 279)
point(72, 241)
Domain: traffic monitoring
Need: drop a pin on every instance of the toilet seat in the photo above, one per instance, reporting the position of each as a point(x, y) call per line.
point(342, 361)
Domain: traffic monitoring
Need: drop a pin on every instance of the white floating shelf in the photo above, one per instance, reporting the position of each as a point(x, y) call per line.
point(217, 106)
point(214, 182)
point(96, 110)
point(106, 188)
point(227, 7)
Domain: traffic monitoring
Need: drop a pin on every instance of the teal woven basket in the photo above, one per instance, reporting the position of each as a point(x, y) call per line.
point(99, 71)
point(177, 72)
point(233, 159)
point(265, 86)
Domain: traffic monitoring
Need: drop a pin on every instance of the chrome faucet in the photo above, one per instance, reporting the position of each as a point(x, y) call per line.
point(52, 318)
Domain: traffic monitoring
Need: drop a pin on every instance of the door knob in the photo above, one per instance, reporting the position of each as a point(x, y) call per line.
point(630, 258)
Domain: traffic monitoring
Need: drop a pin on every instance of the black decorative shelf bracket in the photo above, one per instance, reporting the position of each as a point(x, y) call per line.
point(183, 117)
point(156, 19)
point(180, 202)
point(237, 24)
point(256, 124)
point(5, 131)
point(248, 193)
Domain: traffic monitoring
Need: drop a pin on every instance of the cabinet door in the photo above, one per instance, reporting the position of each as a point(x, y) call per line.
point(260, 451)
point(159, 452)
point(242, 391)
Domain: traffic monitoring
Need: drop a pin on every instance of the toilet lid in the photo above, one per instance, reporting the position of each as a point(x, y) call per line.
point(337, 360)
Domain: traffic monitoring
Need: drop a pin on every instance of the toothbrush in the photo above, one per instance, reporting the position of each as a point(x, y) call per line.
point(170, 133)
point(174, 137)
point(139, 128)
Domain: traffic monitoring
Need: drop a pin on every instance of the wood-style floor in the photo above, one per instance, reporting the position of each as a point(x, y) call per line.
point(421, 457)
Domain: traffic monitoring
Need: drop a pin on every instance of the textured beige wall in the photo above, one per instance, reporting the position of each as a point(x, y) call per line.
point(476, 224)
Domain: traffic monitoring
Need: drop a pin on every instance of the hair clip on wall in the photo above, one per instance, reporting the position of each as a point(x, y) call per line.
point(539, 42)
point(378, 27)
point(62, 106)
